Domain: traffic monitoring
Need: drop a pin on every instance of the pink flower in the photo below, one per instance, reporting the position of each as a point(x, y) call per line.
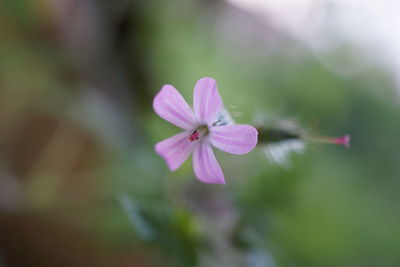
point(202, 128)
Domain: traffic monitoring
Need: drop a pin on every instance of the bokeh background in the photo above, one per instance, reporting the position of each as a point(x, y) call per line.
point(80, 183)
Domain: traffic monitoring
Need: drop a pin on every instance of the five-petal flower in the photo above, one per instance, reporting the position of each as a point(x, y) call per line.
point(202, 128)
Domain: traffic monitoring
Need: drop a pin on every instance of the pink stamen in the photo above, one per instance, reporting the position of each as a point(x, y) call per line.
point(194, 136)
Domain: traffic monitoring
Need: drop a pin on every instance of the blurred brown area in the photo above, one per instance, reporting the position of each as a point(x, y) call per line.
point(66, 51)
point(33, 229)
point(40, 242)
point(36, 143)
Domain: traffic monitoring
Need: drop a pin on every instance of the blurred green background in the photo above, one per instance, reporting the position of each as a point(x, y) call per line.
point(80, 183)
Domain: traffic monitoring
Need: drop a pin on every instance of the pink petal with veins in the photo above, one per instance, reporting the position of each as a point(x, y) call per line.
point(171, 106)
point(205, 165)
point(234, 139)
point(175, 150)
point(206, 100)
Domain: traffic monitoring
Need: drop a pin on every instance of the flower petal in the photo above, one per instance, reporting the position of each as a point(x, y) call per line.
point(206, 100)
point(170, 105)
point(175, 150)
point(205, 165)
point(235, 139)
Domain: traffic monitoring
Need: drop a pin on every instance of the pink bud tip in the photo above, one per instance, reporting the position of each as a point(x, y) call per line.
point(344, 140)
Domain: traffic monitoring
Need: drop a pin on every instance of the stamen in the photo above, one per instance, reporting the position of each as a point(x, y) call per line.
point(194, 136)
point(198, 133)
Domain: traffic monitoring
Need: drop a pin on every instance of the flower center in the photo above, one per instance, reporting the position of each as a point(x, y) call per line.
point(194, 136)
point(199, 132)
